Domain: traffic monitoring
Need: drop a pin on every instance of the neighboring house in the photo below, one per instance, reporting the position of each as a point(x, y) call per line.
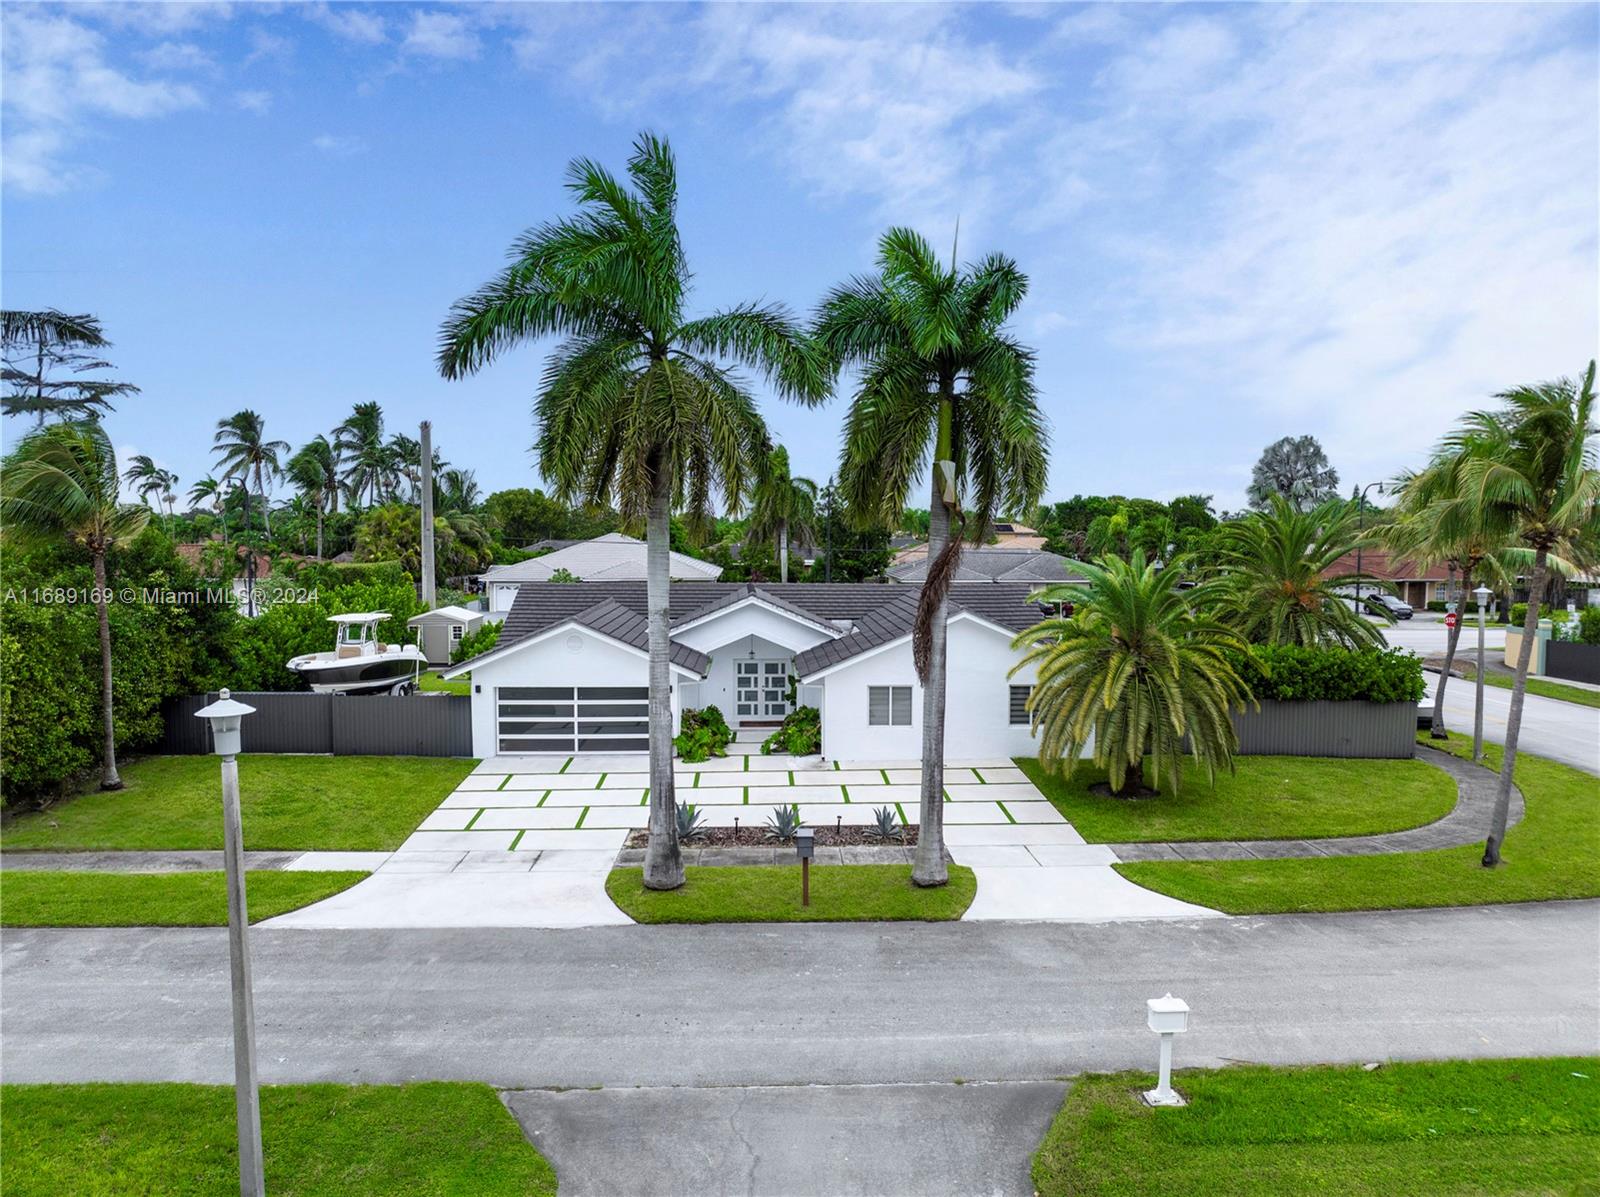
point(1413, 583)
point(194, 553)
point(609, 558)
point(569, 672)
point(440, 630)
point(991, 564)
point(1006, 536)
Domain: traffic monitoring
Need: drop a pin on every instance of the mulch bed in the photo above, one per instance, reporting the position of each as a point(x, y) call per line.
point(756, 837)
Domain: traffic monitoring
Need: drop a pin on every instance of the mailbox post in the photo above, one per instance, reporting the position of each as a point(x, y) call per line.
point(225, 716)
point(805, 847)
point(1167, 1016)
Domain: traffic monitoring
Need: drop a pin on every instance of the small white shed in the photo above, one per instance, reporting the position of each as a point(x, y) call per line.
point(440, 630)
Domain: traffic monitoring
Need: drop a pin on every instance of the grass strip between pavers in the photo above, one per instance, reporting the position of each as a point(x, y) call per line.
point(791, 777)
point(902, 811)
point(433, 1138)
point(582, 815)
point(76, 899)
point(645, 801)
point(602, 781)
point(543, 798)
point(885, 774)
point(747, 762)
point(1009, 816)
point(565, 764)
point(476, 815)
point(979, 776)
point(1457, 1128)
point(845, 790)
point(504, 782)
point(517, 839)
point(747, 795)
point(771, 894)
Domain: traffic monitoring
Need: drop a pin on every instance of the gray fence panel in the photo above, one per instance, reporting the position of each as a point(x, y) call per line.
point(184, 735)
point(1575, 662)
point(389, 725)
point(1348, 729)
point(286, 722)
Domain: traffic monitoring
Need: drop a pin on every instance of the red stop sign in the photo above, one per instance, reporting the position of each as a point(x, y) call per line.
point(1450, 620)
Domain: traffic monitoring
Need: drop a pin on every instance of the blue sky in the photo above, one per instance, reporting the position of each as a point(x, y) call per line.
point(1241, 222)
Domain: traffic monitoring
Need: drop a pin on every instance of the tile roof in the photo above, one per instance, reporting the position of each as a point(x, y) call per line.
point(610, 618)
point(995, 565)
point(1376, 563)
point(752, 590)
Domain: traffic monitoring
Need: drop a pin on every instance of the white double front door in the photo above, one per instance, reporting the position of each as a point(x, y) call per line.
point(761, 689)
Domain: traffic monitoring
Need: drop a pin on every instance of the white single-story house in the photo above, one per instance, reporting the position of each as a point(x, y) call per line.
point(440, 630)
point(609, 558)
point(569, 673)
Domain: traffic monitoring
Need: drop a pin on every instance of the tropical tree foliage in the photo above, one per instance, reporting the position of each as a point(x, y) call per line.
point(314, 472)
point(461, 543)
point(245, 453)
point(368, 460)
point(784, 506)
point(45, 356)
point(638, 404)
point(1139, 669)
point(944, 390)
point(1294, 469)
point(1280, 583)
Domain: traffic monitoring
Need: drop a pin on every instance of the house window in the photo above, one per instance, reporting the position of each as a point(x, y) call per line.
point(455, 632)
point(889, 706)
point(1019, 703)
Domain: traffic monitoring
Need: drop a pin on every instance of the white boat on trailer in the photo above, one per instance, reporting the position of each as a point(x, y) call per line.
point(360, 663)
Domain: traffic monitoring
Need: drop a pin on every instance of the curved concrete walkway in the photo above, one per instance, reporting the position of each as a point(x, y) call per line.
point(1467, 823)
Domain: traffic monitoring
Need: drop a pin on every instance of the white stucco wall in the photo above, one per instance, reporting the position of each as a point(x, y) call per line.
point(570, 657)
point(732, 636)
point(977, 702)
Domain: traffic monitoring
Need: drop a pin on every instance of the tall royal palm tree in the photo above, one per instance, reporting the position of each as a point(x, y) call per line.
point(1140, 669)
point(1280, 580)
point(209, 489)
point(943, 388)
point(314, 470)
point(244, 452)
point(1533, 464)
point(636, 405)
point(61, 484)
point(367, 458)
point(783, 506)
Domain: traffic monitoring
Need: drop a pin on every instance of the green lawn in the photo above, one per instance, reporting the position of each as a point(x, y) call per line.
point(353, 803)
point(1269, 798)
point(423, 1140)
point(771, 894)
point(1541, 686)
point(1457, 1128)
point(1553, 853)
point(433, 683)
point(50, 899)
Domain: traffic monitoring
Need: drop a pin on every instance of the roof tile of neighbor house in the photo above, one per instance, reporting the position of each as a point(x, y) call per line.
point(612, 557)
point(871, 613)
point(995, 565)
point(1376, 563)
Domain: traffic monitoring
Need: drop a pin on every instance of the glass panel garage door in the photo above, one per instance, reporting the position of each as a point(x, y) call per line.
point(573, 719)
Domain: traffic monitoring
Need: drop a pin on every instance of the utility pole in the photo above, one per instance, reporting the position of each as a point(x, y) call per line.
point(428, 592)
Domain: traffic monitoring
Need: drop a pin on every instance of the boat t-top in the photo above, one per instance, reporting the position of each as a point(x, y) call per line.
point(360, 663)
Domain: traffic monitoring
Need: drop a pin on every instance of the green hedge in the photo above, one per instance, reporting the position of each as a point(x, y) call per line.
point(1290, 673)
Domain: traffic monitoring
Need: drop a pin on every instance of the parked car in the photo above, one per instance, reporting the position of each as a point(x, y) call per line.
point(1387, 604)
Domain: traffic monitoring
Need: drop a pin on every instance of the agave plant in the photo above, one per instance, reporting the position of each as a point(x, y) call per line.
point(886, 825)
point(690, 823)
point(783, 822)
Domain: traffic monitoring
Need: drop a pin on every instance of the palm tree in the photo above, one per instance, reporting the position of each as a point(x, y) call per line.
point(208, 488)
point(1533, 465)
point(783, 506)
point(147, 478)
point(314, 470)
point(944, 388)
point(1280, 584)
point(1139, 669)
point(458, 491)
point(61, 483)
point(635, 405)
point(1435, 520)
point(405, 458)
point(244, 452)
point(36, 347)
point(369, 462)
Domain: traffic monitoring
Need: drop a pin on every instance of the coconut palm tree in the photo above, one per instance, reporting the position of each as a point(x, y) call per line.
point(1533, 464)
point(368, 461)
point(1280, 584)
point(943, 388)
point(636, 404)
point(405, 457)
point(458, 491)
point(314, 470)
point(1139, 669)
point(208, 488)
point(783, 506)
point(61, 484)
point(244, 452)
point(147, 478)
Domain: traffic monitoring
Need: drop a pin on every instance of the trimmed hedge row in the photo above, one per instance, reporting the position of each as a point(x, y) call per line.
point(1290, 673)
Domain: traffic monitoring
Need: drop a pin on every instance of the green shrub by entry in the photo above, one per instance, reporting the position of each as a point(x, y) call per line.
point(703, 734)
point(1292, 673)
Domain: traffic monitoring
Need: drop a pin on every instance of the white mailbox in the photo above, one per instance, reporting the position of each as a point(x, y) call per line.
point(1168, 1015)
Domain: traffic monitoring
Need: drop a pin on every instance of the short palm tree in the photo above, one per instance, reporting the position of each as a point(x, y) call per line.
point(1279, 578)
point(61, 484)
point(945, 389)
point(782, 506)
point(1140, 669)
point(1532, 464)
point(208, 489)
point(314, 471)
point(635, 405)
point(244, 452)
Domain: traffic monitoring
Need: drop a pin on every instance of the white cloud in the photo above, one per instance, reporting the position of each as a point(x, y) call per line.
point(57, 79)
point(441, 35)
point(258, 102)
point(177, 56)
point(352, 24)
point(336, 146)
point(267, 45)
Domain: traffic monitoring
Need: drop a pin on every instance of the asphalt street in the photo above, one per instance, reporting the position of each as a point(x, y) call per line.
point(1562, 731)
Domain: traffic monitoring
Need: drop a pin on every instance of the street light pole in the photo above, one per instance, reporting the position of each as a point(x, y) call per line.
point(1482, 594)
point(225, 716)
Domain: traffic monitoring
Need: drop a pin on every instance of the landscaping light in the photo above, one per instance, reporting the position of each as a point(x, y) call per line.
point(805, 847)
point(225, 716)
point(1167, 1016)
